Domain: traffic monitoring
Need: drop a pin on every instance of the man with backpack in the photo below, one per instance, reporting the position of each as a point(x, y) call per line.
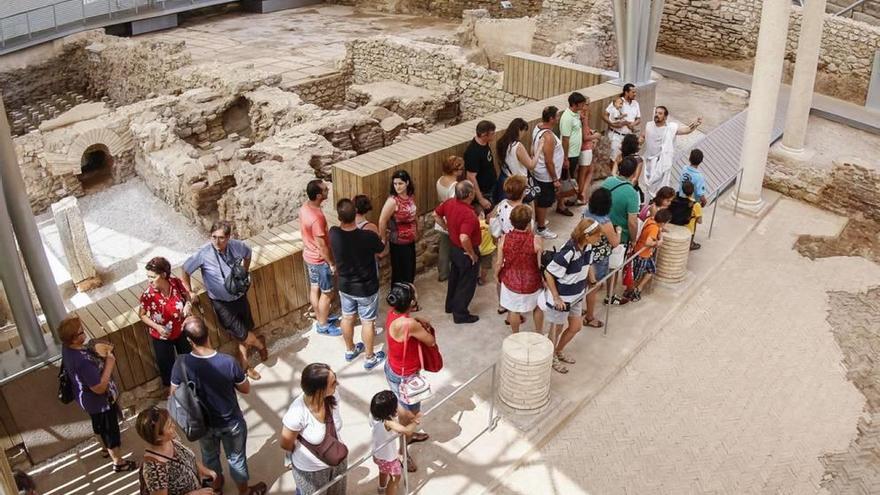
point(624, 212)
point(216, 378)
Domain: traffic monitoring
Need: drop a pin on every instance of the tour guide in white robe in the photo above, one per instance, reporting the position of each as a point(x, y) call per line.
point(659, 148)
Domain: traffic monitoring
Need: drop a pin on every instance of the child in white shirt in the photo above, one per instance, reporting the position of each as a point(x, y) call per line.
point(386, 454)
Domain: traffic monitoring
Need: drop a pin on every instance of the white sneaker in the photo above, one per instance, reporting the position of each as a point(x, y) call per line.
point(546, 233)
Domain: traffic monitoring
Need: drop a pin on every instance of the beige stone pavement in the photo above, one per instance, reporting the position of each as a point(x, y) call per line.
point(294, 43)
point(741, 391)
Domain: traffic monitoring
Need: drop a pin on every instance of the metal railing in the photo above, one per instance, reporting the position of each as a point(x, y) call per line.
point(65, 17)
point(848, 10)
point(723, 187)
point(369, 455)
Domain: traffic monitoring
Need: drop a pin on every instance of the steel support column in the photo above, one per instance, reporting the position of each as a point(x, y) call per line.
point(636, 27)
point(19, 212)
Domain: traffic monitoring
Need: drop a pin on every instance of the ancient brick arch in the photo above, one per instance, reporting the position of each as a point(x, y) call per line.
point(70, 162)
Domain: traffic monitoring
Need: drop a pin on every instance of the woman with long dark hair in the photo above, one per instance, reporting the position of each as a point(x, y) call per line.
point(515, 158)
point(399, 227)
point(308, 421)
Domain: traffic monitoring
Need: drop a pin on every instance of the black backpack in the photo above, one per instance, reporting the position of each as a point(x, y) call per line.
point(65, 388)
point(238, 280)
point(185, 407)
point(547, 258)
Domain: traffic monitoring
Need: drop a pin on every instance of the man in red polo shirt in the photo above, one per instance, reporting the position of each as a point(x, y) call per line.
point(457, 217)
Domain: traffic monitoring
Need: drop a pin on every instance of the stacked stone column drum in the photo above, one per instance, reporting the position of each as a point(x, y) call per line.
point(672, 256)
point(526, 364)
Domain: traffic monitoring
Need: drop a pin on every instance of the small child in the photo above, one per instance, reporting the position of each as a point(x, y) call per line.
point(687, 211)
point(487, 245)
point(692, 174)
point(644, 265)
point(383, 415)
point(664, 197)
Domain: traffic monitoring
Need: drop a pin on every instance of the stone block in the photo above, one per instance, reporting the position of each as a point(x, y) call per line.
point(75, 243)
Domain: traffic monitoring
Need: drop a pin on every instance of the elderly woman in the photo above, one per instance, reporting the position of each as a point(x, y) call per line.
point(499, 219)
point(453, 169)
point(399, 227)
point(518, 269)
point(170, 468)
point(566, 280)
point(307, 423)
point(403, 336)
point(164, 305)
point(598, 209)
point(89, 368)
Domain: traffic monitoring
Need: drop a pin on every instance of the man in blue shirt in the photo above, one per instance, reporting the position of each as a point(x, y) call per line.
point(217, 378)
point(695, 176)
point(215, 259)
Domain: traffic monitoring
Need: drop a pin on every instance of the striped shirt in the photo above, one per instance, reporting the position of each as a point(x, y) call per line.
point(569, 269)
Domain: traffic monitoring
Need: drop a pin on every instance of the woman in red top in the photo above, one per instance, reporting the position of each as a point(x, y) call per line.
point(164, 305)
point(398, 226)
point(518, 269)
point(397, 365)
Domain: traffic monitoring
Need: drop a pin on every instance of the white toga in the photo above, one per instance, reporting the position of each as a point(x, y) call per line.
point(658, 153)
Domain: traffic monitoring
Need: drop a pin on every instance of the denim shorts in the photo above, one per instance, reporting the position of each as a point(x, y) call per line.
point(320, 275)
point(600, 269)
point(366, 308)
point(394, 381)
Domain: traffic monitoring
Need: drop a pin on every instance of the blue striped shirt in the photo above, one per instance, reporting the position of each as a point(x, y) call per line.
point(569, 269)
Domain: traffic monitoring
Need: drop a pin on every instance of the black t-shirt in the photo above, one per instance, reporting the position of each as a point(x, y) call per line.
point(478, 159)
point(355, 253)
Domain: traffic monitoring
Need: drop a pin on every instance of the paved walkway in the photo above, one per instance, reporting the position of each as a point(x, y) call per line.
point(741, 391)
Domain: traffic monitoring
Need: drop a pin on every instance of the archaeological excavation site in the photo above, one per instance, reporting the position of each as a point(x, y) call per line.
point(136, 125)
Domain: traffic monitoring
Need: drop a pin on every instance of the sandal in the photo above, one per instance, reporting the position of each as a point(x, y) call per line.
point(264, 352)
point(564, 358)
point(593, 323)
point(566, 212)
point(418, 437)
point(258, 489)
point(253, 374)
point(104, 453)
point(559, 367)
point(501, 311)
point(125, 467)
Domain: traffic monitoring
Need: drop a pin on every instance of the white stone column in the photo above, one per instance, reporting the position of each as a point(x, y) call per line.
point(75, 242)
point(801, 99)
point(766, 80)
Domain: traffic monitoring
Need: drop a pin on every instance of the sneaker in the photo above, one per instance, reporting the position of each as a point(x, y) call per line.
point(334, 318)
point(635, 296)
point(358, 348)
point(546, 233)
point(329, 330)
point(371, 362)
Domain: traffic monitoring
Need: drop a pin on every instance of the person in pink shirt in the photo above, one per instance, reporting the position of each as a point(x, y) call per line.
point(585, 169)
point(318, 256)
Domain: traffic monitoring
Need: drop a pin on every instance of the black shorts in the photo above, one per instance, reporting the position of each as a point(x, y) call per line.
point(106, 426)
point(545, 195)
point(573, 162)
point(235, 317)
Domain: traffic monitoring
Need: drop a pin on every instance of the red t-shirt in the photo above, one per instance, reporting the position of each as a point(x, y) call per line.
point(400, 364)
point(165, 311)
point(460, 219)
point(312, 224)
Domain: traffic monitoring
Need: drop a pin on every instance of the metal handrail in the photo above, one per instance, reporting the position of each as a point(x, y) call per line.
point(369, 455)
point(850, 8)
point(723, 187)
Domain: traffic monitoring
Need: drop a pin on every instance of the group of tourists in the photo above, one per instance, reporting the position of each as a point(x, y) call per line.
point(488, 219)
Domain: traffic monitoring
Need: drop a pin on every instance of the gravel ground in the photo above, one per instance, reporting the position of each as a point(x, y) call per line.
point(127, 225)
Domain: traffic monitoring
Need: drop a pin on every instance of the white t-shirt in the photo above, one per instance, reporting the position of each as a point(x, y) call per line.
point(300, 419)
point(541, 173)
point(630, 112)
point(514, 167)
point(655, 137)
point(388, 452)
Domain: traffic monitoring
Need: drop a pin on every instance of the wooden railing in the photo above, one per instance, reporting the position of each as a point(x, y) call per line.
point(537, 77)
point(422, 156)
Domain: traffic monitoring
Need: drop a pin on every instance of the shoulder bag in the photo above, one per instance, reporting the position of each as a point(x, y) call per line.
point(238, 280)
point(430, 356)
point(413, 388)
point(331, 451)
point(65, 388)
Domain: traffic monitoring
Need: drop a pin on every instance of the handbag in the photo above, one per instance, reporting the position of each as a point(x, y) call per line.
point(628, 281)
point(430, 356)
point(65, 388)
point(238, 280)
point(330, 450)
point(413, 388)
point(618, 254)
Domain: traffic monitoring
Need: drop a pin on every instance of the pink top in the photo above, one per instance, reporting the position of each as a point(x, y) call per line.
point(312, 224)
point(403, 223)
point(587, 132)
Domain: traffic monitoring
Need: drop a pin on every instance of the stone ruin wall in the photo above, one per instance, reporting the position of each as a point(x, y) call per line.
point(327, 92)
point(728, 30)
point(449, 8)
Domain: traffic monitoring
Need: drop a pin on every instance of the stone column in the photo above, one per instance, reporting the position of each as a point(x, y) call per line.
point(766, 80)
point(672, 256)
point(526, 366)
point(801, 99)
point(75, 242)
